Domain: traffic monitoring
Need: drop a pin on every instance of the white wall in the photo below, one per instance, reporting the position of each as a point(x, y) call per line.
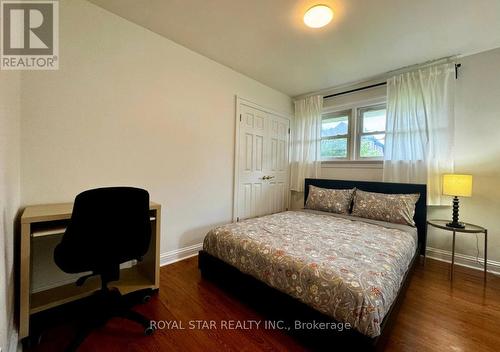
point(9, 200)
point(477, 153)
point(129, 107)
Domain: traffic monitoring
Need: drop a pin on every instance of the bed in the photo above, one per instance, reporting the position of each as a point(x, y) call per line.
point(340, 268)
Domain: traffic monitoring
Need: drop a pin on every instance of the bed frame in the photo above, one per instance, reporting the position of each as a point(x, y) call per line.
point(278, 306)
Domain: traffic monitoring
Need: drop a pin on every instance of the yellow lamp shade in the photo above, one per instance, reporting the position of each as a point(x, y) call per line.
point(457, 185)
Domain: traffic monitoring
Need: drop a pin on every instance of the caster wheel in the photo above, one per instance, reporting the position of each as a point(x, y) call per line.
point(146, 299)
point(149, 331)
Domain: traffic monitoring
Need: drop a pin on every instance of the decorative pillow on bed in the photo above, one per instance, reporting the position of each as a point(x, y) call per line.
point(395, 208)
point(331, 200)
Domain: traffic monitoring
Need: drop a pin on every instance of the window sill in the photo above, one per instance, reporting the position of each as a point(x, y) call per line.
point(353, 164)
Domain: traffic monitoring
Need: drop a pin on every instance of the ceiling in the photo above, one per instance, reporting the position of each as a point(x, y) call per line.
point(267, 40)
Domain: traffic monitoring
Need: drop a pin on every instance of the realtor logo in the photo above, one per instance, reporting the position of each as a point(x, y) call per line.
point(29, 35)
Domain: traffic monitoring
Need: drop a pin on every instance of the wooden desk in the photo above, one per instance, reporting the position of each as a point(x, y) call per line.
point(51, 220)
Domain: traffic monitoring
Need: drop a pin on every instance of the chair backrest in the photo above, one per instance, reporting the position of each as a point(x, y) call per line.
point(108, 226)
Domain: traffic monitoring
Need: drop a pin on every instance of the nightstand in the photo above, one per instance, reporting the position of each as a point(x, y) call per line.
point(469, 228)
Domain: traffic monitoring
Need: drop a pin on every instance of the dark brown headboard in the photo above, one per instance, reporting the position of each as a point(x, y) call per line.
point(384, 187)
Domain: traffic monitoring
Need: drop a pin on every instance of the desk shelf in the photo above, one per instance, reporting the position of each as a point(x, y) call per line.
point(131, 279)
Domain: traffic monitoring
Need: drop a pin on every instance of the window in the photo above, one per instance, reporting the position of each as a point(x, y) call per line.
point(356, 134)
point(335, 135)
point(371, 136)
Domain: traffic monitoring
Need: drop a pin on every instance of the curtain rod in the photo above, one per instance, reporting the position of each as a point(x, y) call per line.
point(355, 90)
point(457, 66)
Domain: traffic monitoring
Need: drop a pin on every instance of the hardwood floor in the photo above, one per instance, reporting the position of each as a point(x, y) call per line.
point(436, 315)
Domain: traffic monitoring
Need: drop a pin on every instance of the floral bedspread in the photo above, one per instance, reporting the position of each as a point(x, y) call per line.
point(348, 269)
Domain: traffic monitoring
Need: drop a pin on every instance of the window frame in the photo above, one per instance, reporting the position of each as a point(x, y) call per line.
point(348, 136)
point(360, 134)
point(354, 131)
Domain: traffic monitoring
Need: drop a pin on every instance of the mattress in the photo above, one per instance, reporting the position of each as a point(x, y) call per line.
point(348, 268)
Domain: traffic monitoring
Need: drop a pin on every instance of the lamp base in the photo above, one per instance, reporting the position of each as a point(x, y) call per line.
point(454, 222)
point(456, 225)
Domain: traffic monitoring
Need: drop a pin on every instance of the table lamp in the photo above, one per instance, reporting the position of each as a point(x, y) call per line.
point(457, 186)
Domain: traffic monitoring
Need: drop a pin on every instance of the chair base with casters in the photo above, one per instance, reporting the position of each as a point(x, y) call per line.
point(80, 315)
point(108, 303)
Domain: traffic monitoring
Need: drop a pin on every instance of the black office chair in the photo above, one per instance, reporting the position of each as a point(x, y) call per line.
point(108, 226)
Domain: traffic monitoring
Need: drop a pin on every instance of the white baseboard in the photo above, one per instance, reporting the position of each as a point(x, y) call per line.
point(463, 260)
point(190, 251)
point(165, 259)
point(179, 254)
point(434, 253)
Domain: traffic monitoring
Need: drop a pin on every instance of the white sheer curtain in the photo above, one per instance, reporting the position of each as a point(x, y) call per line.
point(305, 159)
point(420, 128)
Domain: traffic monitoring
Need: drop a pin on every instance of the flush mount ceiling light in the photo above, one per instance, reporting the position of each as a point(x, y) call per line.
point(318, 16)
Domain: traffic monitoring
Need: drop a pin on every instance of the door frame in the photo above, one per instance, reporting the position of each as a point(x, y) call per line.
point(238, 101)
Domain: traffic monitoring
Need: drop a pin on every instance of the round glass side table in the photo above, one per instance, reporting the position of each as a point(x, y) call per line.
point(469, 228)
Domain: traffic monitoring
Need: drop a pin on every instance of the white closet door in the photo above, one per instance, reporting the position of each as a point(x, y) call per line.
point(277, 192)
point(262, 172)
